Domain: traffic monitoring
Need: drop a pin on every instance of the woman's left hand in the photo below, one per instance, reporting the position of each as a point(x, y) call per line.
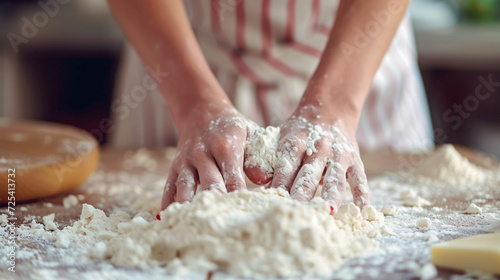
point(313, 140)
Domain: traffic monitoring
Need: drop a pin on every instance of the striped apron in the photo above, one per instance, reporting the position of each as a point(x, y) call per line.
point(262, 52)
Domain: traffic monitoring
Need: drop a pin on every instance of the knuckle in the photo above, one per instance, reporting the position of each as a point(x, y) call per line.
point(323, 145)
point(167, 188)
point(341, 186)
point(308, 186)
point(362, 189)
point(186, 178)
point(227, 172)
point(333, 191)
point(197, 154)
point(304, 189)
point(235, 185)
point(223, 147)
point(281, 182)
point(292, 144)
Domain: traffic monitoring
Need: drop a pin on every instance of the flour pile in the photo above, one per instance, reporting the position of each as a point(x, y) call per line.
point(262, 148)
point(447, 166)
point(247, 233)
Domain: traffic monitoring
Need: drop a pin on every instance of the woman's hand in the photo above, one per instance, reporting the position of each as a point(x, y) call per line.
point(313, 140)
point(210, 153)
point(321, 133)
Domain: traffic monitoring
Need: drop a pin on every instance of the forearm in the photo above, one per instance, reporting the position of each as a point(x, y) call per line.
point(161, 34)
point(357, 44)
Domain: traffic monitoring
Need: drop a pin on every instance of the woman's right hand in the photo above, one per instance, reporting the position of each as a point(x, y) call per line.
point(210, 152)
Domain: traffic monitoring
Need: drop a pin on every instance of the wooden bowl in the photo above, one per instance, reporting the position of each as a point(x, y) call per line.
point(40, 159)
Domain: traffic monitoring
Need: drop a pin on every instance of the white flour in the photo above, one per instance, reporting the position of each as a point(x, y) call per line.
point(262, 148)
point(447, 166)
point(48, 221)
point(247, 233)
point(473, 209)
point(136, 240)
point(70, 201)
point(424, 223)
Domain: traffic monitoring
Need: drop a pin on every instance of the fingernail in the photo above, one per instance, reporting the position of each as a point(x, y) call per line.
point(158, 217)
point(333, 207)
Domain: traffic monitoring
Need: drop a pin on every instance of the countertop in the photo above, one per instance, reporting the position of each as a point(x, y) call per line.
point(126, 178)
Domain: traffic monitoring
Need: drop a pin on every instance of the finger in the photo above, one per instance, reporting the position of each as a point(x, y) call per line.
point(359, 186)
point(290, 154)
point(232, 174)
point(257, 175)
point(210, 176)
point(334, 185)
point(258, 170)
point(185, 185)
point(231, 166)
point(307, 181)
point(169, 190)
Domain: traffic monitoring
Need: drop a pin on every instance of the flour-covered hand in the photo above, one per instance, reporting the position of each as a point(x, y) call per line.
point(210, 154)
point(312, 147)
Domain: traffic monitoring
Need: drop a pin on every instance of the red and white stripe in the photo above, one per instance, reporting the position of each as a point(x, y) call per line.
point(263, 52)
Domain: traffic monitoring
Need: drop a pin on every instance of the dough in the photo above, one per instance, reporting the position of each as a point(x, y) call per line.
point(48, 158)
point(247, 233)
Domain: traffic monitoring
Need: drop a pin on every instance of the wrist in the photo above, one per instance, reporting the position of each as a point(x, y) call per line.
point(333, 105)
point(201, 109)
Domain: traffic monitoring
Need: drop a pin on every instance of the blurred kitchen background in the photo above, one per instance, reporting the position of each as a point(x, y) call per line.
point(65, 71)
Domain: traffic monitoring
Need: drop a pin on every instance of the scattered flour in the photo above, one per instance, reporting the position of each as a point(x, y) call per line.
point(415, 201)
point(62, 240)
point(389, 210)
point(48, 204)
point(142, 241)
point(428, 271)
point(315, 134)
point(369, 213)
point(447, 166)
point(70, 201)
point(407, 194)
point(431, 238)
point(248, 233)
point(48, 221)
point(139, 159)
point(412, 199)
point(423, 223)
point(473, 209)
point(3, 219)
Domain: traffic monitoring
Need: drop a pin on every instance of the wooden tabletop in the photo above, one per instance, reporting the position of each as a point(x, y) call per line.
point(126, 178)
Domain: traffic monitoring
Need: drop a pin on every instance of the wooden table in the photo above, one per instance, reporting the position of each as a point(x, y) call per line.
point(127, 178)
